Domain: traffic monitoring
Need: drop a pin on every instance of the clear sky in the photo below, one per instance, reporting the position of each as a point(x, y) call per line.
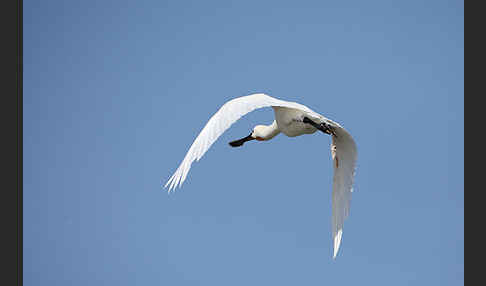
point(116, 91)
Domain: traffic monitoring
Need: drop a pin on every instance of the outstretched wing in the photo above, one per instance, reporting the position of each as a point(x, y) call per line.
point(228, 114)
point(344, 154)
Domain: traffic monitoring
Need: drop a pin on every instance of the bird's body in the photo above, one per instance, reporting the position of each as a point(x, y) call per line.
point(289, 121)
point(292, 119)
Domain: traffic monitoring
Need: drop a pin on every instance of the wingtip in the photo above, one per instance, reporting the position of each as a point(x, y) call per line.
point(171, 189)
point(172, 184)
point(337, 242)
point(168, 181)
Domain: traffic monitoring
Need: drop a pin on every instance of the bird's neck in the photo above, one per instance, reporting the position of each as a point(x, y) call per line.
point(271, 131)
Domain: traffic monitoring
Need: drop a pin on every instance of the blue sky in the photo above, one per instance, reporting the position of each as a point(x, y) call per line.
point(116, 91)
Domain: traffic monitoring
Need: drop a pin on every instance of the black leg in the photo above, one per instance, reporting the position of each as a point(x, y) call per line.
point(307, 120)
point(326, 128)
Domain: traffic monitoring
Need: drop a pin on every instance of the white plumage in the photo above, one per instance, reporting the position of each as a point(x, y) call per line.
point(292, 119)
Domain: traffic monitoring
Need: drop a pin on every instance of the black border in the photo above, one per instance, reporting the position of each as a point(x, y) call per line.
point(473, 22)
point(474, 167)
point(11, 129)
point(20, 141)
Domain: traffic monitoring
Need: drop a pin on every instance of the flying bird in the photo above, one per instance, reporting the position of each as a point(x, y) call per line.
point(292, 119)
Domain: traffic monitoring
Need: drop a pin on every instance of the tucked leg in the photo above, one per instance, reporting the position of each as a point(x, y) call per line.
point(324, 127)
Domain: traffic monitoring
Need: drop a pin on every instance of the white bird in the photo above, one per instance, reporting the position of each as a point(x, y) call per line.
point(292, 119)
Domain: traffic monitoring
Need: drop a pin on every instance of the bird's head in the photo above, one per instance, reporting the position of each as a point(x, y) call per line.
point(260, 132)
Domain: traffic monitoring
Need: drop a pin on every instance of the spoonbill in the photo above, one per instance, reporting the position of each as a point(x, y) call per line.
point(292, 119)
